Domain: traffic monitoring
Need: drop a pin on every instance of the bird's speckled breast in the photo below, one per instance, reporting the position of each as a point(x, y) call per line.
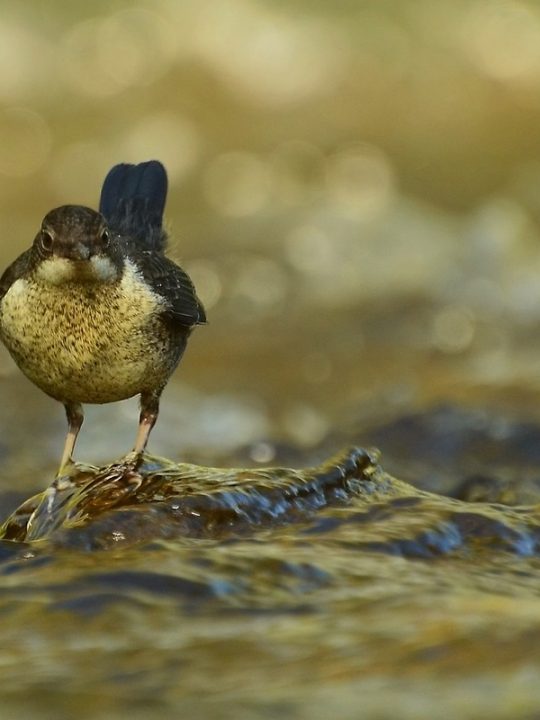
point(89, 342)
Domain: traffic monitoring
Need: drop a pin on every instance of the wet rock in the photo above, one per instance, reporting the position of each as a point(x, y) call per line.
point(349, 498)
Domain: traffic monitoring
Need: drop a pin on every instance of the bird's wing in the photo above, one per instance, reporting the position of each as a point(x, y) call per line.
point(15, 270)
point(174, 285)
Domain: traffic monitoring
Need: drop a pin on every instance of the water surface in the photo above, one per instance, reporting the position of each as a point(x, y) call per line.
point(331, 591)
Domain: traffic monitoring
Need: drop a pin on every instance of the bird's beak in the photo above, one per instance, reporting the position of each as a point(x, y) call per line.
point(77, 251)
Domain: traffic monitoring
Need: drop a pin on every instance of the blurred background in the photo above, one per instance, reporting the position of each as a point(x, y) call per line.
point(354, 189)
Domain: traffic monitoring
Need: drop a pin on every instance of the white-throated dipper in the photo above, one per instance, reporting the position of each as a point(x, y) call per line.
point(93, 311)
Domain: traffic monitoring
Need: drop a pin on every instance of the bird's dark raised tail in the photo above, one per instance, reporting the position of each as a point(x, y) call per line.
point(133, 200)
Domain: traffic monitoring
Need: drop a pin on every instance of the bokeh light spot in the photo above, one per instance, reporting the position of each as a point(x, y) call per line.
point(360, 181)
point(135, 46)
point(206, 279)
point(237, 184)
point(168, 136)
point(453, 329)
point(26, 141)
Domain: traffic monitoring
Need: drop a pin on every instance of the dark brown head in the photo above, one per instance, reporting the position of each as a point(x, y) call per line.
point(74, 243)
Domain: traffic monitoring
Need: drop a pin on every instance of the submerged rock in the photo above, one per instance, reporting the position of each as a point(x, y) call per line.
point(129, 502)
point(350, 496)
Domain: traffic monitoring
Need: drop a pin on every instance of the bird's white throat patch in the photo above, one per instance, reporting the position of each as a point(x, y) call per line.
point(103, 268)
point(58, 270)
point(55, 270)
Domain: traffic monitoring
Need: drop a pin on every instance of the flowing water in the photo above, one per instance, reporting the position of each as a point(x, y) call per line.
point(333, 591)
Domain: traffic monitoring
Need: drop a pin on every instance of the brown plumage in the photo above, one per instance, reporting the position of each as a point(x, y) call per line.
point(93, 311)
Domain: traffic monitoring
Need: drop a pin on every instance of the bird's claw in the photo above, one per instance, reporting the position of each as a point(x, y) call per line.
point(133, 460)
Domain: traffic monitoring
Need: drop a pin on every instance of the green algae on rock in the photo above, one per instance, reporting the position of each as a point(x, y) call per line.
point(125, 504)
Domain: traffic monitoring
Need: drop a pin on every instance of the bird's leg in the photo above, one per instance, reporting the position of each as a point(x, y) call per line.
point(147, 419)
point(75, 417)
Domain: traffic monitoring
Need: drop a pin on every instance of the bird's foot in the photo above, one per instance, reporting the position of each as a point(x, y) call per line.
point(133, 460)
point(64, 474)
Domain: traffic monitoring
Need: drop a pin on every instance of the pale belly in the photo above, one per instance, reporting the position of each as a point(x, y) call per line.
point(89, 344)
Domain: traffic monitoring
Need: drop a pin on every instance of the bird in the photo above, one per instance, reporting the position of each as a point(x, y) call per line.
point(94, 311)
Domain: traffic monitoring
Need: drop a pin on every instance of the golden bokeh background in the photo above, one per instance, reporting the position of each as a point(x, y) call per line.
point(355, 190)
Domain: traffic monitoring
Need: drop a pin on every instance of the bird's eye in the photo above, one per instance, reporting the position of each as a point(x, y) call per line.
point(46, 241)
point(105, 238)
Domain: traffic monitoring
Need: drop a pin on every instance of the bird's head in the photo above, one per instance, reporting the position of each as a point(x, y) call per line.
point(75, 244)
